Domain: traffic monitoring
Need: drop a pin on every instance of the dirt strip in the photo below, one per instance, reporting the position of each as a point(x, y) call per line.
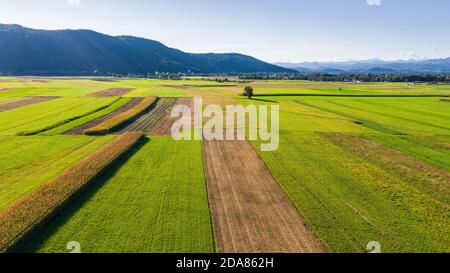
point(24, 102)
point(251, 213)
point(164, 126)
point(113, 92)
point(80, 130)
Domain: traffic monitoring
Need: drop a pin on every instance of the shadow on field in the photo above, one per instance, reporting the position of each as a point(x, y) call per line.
point(61, 218)
point(255, 99)
point(264, 100)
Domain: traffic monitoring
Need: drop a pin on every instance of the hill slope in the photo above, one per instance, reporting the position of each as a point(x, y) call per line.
point(25, 51)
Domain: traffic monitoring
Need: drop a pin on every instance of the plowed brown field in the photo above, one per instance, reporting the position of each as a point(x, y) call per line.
point(250, 211)
point(113, 92)
point(23, 102)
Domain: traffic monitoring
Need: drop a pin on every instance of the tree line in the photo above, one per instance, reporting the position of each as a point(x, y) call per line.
point(353, 77)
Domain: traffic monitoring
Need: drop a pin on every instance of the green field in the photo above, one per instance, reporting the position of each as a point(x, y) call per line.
point(140, 206)
point(85, 119)
point(369, 163)
point(27, 162)
point(350, 201)
point(37, 118)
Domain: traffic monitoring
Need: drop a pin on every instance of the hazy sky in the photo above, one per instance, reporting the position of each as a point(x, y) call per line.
point(272, 30)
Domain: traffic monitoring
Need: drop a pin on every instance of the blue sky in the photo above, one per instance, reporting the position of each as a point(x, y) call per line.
point(272, 30)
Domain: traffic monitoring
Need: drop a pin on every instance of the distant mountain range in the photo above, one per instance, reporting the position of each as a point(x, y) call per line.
point(25, 51)
point(372, 66)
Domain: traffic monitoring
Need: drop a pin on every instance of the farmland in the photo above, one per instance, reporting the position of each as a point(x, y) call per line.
point(140, 207)
point(23, 157)
point(357, 162)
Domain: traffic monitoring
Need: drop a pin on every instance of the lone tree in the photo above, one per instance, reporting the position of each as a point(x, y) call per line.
point(248, 91)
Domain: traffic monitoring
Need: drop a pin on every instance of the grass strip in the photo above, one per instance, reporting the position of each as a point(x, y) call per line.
point(63, 122)
point(86, 119)
point(117, 122)
point(29, 214)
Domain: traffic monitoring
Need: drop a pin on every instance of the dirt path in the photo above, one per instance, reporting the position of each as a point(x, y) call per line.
point(164, 126)
point(113, 92)
point(149, 120)
point(251, 213)
point(80, 130)
point(23, 102)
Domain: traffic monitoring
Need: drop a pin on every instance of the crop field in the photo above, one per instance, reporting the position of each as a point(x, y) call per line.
point(24, 157)
point(149, 120)
point(231, 183)
point(349, 198)
point(140, 207)
point(9, 105)
point(41, 117)
point(76, 123)
point(100, 117)
point(357, 163)
point(164, 126)
point(121, 120)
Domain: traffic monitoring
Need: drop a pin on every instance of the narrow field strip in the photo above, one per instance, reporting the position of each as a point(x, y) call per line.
point(60, 123)
point(81, 129)
point(79, 121)
point(250, 211)
point(113, 92)
point(164, 125)
point(21, 220)
point(139, 206)
point(149, 120)
point(121, 120)
point(34, 119)
point(23, 102)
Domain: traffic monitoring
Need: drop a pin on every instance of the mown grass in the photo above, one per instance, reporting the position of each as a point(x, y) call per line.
point(21, 220)
point(27, 162)
point(295, 117)
point(110, 125)
point(349, 201)
point(409, 116)
point(40, 117)
point(337, 88)
point(155, 201)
